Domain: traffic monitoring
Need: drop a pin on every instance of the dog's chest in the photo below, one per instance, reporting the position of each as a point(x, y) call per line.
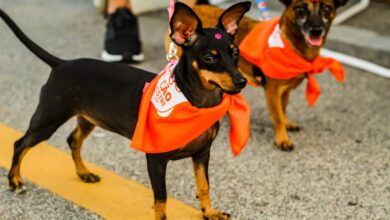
point(294, 82)
point(197, 145)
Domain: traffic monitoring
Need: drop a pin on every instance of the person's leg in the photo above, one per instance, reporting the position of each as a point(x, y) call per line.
point(114, 5)
point(194, 2)
point(122, 41)
point(189, 2)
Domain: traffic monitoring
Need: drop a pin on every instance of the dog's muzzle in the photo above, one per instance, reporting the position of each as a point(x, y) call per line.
point(316, 31)
point(240, 82)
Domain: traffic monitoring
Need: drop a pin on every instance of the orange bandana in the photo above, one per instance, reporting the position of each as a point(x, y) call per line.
point(265, 47)
point(167, 121)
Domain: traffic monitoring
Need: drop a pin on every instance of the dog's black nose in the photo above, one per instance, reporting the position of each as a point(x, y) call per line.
point(315, 31)
point(240, 82)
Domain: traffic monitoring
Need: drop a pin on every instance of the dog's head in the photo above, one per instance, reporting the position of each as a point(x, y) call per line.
point(312, 18)
point(210, 52)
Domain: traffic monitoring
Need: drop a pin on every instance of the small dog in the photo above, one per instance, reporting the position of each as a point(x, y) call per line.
point(304, 25)
point(109, 95)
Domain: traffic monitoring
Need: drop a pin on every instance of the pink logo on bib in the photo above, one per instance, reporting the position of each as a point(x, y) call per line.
point(218, 36)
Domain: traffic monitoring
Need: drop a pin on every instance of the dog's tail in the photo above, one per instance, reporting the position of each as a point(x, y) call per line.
point(33, 47)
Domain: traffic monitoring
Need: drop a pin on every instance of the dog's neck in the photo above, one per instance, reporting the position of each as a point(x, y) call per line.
point(296, 40)
point(187, 79)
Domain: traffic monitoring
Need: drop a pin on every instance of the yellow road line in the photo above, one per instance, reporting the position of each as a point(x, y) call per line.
point(113, 198)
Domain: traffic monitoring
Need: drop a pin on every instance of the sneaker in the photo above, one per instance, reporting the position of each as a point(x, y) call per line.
point(122, 43)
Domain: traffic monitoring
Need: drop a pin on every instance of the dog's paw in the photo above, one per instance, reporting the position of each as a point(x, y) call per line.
point(285, 145)
point(215, 215)
point(89, 177)
point(293, 127)
point(16, 185)
point(161, 217)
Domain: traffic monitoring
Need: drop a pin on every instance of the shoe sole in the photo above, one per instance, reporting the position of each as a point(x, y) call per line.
point(118, 58)
point(101, 6)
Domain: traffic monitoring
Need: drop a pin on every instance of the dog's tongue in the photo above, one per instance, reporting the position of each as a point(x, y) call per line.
point(314, 41)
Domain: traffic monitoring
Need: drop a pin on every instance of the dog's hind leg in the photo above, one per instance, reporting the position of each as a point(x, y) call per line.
point(75, 142)
point(157, 166)
point(201, 163)
point(289, 125)
point(14, 178)
point(43, 124)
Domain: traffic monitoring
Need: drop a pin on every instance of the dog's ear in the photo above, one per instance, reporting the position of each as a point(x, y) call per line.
point(338, 3)
point(286, 2)
point(231, 17)
point(185, 25)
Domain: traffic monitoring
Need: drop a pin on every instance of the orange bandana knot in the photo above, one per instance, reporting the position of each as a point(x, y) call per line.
point(266, 48)
point(167, 121)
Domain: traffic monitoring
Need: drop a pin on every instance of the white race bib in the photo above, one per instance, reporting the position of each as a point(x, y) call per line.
point(167, 95)
point(275, 39)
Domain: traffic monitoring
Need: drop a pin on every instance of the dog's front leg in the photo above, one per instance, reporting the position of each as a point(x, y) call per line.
point(290, 126)
point(201, 163)
point(273, 93)
point(157, 167)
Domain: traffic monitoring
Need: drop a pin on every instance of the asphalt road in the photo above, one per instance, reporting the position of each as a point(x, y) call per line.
point(339, 170)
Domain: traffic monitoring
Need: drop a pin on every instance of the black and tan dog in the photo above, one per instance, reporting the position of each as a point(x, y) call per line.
point(304, 24)
point(108, 95)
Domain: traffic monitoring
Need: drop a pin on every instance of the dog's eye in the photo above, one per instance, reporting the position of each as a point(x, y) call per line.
point(209, 58)
point(300, 10)
point(326, 9)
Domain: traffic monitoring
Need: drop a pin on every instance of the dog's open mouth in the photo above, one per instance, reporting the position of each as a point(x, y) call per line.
point(314, 41)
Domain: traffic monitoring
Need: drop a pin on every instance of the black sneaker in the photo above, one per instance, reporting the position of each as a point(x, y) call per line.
point(122, 43)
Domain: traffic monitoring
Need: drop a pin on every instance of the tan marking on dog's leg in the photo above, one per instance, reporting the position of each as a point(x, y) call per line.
point(160, 210)
point(285, 98)
point(83, 129)
point(15, 172)
point(203, 194)
point(273, 95)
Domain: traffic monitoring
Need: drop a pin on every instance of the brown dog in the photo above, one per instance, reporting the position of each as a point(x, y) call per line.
point(304, 24)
